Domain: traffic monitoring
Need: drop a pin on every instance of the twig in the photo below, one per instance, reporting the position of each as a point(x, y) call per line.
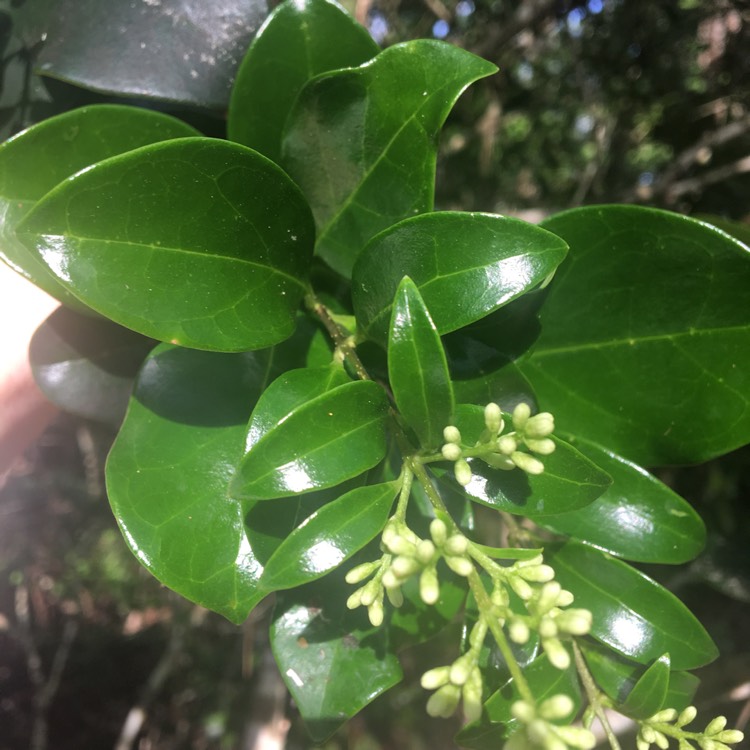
point(696, 184)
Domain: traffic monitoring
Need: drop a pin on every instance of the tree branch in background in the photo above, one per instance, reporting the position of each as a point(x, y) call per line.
point(696, 184)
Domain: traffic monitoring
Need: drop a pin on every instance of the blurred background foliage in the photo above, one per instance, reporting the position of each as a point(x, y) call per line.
point(642, 101)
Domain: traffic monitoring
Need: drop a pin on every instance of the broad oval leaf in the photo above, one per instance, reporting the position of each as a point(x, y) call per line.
point(645, 342)
point(417, 367)
point(569, 481)
point(637, 518)
point(197, 242)
point(465, 265)
point(332, 660)
point(362, 143)
point(37, 159)
point(330, 536)
point(633, 614)
point(321, 443)
point(87, 365)
point(649, 693)
point(292, 46)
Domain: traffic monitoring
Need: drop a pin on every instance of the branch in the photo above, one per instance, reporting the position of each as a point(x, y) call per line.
point(696, 184)
point(529, 14)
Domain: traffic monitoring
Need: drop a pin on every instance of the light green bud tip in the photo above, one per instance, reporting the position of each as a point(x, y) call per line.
point(460, 565)
point(451, 452)
point(686, 716)
point(429, 588)
point(578, 622)
point(360, 572)
point(462, 471)
point(577, 737)
point(540, 425)
point(425, 551)
point(543, 446)
point(523, 712)
point(507, 445)
point(444, 702)
point(556, 653)
point(435, 678)
point(537, 573)
point(527, 463)
point(493, 418)
point(557, 707)
point(451, 434)
point(456, 545)
point(521, 414)
point(438, 531)
point(375, 613)
point(715, 725)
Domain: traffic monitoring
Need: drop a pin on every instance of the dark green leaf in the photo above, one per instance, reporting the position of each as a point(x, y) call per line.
point(86, 365)
point(638, 517)
point(417, 368)
point(361, 143)
point(36, 160)
point(330, 536)
point(739, 230)
point(176, 50)
point(465, 265)
point(198, 242)
point(292, 46)
point(570, 480)
point(331, 659)
point(649, 693)
point(321, 443)
point(645, 343)
point(633, 614)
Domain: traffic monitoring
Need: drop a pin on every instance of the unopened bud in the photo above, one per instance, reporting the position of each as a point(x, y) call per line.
point(403, 567)
point(715, 725)
point(686, 716)
point(451, 452)
point(662, 717)
point(472, 696)
point(556, 653)
point(557, 707)
point(456, 545)
point(540, 425)
point(451, 434)
point(498, 461)
point(375, 613)
point(547, 627)
point(543, 446)
point(537, 573)
point(521, 414)
point(354, 600)
point(499, 597)
point(523, 712)
point(527, 463)
point(521, 588)
point(443, 703)
point(564, 598)
point(435, 678)
point(360, 572)
point(429, 588)
point(730, 736)
point(578, 622)
point(395, 542)
point(461, 566)
point(461, 668)
point(548, 596)
point(370, 592)
point(425, 551)
point(493, 418)
point(518, 631)
point(438, 531)
point(507, 445)
point(577, 737)
point(661, 740)
point(395, 596)
point(462, 470)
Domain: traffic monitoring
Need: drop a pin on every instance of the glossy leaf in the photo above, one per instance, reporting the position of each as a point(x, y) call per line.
point(197, 242)
point(637, 518)
point(649, 693)
point(87, 365)
point(417, 368)
point(361, 143)
point(332, 660)
point(570, 480)
point(323, 442)
point(292, 46)
point(633, 614)
point(176, 50)
point(465, 265)
point(36, 160)
point(645, 343)
point(740, 230)
point(330, 536)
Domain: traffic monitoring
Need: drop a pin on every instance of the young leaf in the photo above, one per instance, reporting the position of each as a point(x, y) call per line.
point(465, 265)
point(645, 342)
point(34, 161)
point(362, 143)
point(292, 46)
point(332, 660)
point(633, 614)
point(649, 693)
point(321, 443)
point(417, 368)
point(330, 536)
point(195, 241)
point(87, 365)
point(637, 518)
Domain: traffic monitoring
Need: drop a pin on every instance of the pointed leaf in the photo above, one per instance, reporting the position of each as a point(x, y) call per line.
point(465, 265)
point(633, 614)
point(196, 241)
point(323, 442)
point(330, 536)
point(649, 693)
point(332, 660)
point(645, 342)
point(87, 365)
point(292, 46)
point(417, 368)
point(637, 518)
point(361, 143)
point(36, 160)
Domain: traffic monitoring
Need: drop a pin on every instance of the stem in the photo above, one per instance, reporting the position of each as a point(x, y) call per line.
point(415, 464)
point(407, 477)
point(594, 696)
point(337, 333)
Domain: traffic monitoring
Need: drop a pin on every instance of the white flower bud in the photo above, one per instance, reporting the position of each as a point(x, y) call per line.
point(429, 587)
point(530, 562)
point(496, 461)
point(354, 600)
point(493, 418)
point(507, 445)
point(518, 631)
point(403, 567)
point(564, 598)
point(425, 551)
point(435, 678)
point(461, 566)
point(438, 531)
point(370, 592)
point(521, 414)
point(543, 446)
point(523, 712)
point(527, 463)
point(462, 470)
point(375, 613)
point(648, 733)
point(537, 573)
point(395, 596)
point(538, 731)
point(547, 627)
point(451, 452)
point(557, 707)
point(540, 425)
point(499, 597)
point(395, 542)
point(456, 545)
point(730, 736)
point(451, 434)
point(461, 668)
point(577, 737)
point(661, 740)
point(443, 703)
point(472, 696)
point(715, 725)
point(578, 622)
point(661, 717)
point(553, 742)
point(389, 580)
point(521, 588)
point(641, 744)
point(548, 596)
point(360, 572)
point(556, 653)
point(687, 715)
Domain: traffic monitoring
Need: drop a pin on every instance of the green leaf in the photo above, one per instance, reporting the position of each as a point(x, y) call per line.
point(36, 160)
point(737, 229)
point(497, 722)
point(292, 46)
point(321, 443)
point(637, 518)
point(645, 342)
point(633, 614)
point(465, 265)
point(570, 480)
point(330, 536)
point(417, 368)
point(87, 365)
point(649, 693)
point(198, 242)
point(362, 143)
point(332, 660)
point(173, 50)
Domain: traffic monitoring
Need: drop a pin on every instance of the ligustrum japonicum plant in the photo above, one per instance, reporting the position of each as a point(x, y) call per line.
point(351, 404)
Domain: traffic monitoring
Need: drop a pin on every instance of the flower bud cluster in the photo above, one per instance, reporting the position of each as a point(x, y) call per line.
point(669, 723)
point(540, 731)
